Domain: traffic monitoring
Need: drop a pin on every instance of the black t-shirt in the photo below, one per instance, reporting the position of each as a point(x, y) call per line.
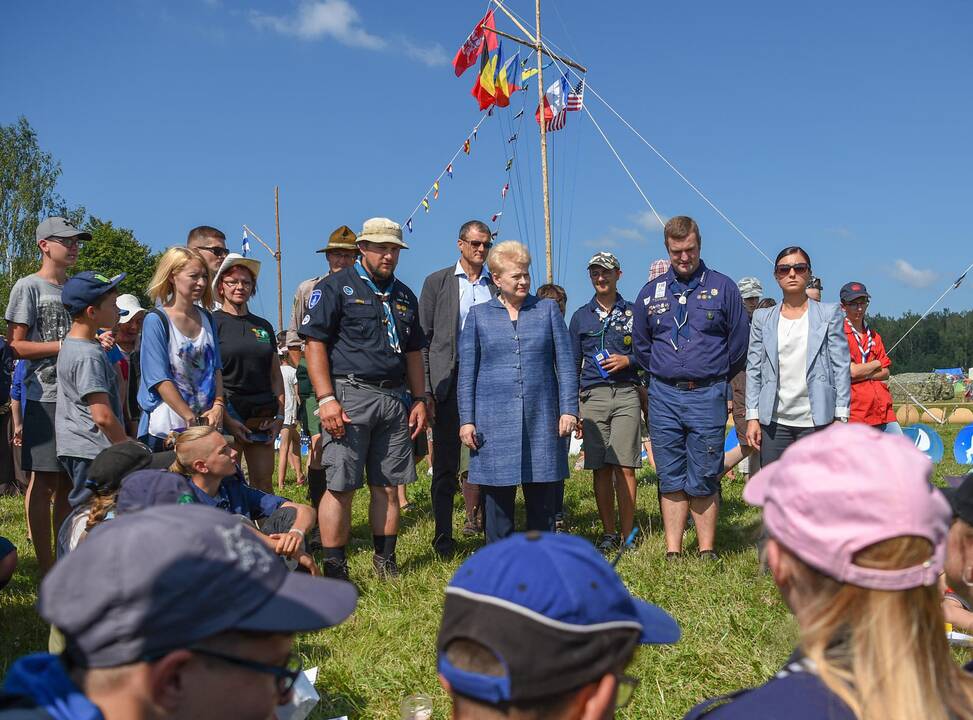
point(344, 313)
point(247, 346)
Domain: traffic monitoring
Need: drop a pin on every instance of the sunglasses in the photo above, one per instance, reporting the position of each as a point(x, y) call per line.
point(220, 252)
point(478, 244)
point(783, 270)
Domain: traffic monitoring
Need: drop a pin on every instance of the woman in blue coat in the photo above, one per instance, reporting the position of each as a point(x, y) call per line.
point(517, 393)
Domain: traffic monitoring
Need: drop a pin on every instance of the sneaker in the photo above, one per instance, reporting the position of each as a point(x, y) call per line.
point(673, 556)
point(708, 555)
point(609, 543)
point(335, 569)
point(559, 523)
point(385, 568)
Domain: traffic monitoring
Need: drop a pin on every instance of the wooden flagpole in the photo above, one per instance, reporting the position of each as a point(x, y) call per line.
point(280, 290)
point(543, 125)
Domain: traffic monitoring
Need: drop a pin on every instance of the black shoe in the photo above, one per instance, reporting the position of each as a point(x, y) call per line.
point(609, 543)
point(385, 568)
point(559, 523)
point(336, 569)
point(708, 555)
point(445, 551)
point(672, 556)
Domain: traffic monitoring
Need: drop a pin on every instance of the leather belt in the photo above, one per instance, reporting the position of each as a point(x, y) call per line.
point(690, 384)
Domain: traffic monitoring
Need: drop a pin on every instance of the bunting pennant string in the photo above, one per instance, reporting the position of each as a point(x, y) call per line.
point(510, 164)
point(466, 146)
point(425, 204)
point(503, 190)
point(496, 215)
point(513, 138)
point(449, 170)
point(435, 190)
point(408, 225)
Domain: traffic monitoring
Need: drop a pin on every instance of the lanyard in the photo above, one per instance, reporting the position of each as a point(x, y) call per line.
point(869, 342)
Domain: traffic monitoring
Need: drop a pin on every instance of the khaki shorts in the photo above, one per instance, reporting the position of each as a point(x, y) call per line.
point(376, 443)
point(612, 417)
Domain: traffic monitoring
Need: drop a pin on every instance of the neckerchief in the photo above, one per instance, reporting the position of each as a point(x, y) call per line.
point(390, 329)
point(43, 678)
point(605, 317)
point(869, 342)
point(682, 291)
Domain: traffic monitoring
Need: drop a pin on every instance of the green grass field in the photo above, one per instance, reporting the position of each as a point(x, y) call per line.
point(736, 631)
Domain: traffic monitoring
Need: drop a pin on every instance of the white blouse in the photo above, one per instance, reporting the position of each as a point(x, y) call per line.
point(793, 404)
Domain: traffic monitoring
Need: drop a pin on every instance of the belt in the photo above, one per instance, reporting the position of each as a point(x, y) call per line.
point(381, 384)
point(690, 384)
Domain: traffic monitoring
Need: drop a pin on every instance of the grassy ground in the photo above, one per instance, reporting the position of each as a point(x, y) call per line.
point(736, 631)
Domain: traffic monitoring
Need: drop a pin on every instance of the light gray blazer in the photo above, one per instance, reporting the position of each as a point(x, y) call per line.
point(828, 364)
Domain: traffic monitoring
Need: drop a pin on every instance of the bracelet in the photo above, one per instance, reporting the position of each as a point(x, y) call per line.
point(298, 531)
point(326, 399)
point(219, 401)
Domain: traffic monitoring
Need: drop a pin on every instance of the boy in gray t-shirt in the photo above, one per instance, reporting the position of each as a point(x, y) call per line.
point(89, 407)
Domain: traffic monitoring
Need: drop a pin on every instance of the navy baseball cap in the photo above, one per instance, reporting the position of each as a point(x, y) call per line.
point(147, 583)
point(552, 611)
point(147, 488)
point(853, 291)
point(85, 288)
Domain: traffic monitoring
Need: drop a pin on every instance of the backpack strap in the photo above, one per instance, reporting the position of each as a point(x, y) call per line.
point(163, 318)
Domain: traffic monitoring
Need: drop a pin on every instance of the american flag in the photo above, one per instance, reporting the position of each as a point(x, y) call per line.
point(558, 121)
point(576, 97)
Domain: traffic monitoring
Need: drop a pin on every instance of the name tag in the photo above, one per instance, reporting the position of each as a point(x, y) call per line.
point(660, 290)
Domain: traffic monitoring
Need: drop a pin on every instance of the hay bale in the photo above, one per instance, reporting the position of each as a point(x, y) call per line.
point(935, 415)
point(961, 416)
point(907, 415)
point(925, 387)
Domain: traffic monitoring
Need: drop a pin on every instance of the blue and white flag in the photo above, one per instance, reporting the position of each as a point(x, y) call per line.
point(245, 248)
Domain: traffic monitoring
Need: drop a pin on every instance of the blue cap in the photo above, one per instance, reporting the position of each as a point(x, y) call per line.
point(147, 488)
point(551, 610)
point(84, 289)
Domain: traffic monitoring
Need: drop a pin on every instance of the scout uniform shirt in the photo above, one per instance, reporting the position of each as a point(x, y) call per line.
point(344, 313)
point(593, 330)
point(712, 336)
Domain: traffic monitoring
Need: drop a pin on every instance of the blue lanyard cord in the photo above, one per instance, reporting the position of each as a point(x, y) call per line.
point(391, 329)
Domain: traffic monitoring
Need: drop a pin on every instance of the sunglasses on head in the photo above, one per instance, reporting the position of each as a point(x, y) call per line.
point(783, 270)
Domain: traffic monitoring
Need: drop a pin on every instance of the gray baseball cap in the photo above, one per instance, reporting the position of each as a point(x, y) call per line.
point(59, 227)
point(750, 287)
point(144, 584)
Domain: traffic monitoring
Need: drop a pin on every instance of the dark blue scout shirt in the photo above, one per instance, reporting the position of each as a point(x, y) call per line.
point(794, 693)
point(589, 334)
point(236, 497)
point(346, 315)
point(717, 323)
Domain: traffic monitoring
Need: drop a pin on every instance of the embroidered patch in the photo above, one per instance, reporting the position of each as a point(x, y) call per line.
point(660, 290)
point(314, 299)
point(347, 291)
point(305, 320)
point(628, 340)
point(262, 335)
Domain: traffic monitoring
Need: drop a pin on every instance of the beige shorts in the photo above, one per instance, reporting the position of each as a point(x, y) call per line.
point(612, 417)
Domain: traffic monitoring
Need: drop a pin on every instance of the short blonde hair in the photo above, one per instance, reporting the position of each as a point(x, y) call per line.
point(182, 443)
point(161, 288)
point(505, 254)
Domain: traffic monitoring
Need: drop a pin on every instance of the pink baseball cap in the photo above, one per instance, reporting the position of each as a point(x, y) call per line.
point(658, 268)
point(845, 488)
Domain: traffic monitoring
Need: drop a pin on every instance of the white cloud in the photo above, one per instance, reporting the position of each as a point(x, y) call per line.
point(433, 56)
point(841, 232)
point(336, 19)
point(911, 275)
point(648, 221)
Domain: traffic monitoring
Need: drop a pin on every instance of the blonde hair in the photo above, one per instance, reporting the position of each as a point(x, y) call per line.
point(185, 457)
point(505, 254)
point(884, 653)
point(161, 288)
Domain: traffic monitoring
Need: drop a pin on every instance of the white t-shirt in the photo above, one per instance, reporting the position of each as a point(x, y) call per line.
point(193, 363)
point(793, 403)
point(290, 393)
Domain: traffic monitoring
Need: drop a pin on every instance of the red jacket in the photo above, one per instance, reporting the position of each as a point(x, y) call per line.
point(871, 401)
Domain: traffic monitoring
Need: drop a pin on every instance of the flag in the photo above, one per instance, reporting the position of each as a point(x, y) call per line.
point(490, 111)
point(554, 109)
point(527, 74)
point(449, 170)
point(408, 224)
point(495, 216)
point(466, 146)
point(513, 138)
point(503, 190)
point(474, 133)
point(435, 190)
point(576, 97)
point(473, 45)
point(425, 203)
point(485, 87)
point(520, 114)
point(507, 81)
point(510, 164)
point(959, 281)
point(245, 248)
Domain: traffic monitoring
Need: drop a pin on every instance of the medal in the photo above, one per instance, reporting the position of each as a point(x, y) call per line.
point(714, 292)
point(682, 299)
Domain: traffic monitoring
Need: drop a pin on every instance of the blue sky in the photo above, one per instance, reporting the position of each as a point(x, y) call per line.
point(842, 127)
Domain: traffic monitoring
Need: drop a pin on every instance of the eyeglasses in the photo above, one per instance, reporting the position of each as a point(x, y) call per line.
point(245, 284)
point(217, 250)
point(858, 304)
point(69, 242)
point(783, 270)
point(286, 674)
point(625, 690)
point(479, 244)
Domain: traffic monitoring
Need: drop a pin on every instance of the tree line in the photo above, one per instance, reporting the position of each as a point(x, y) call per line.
point(944, 339)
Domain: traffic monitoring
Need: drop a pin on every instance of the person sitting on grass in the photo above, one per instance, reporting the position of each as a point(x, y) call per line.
point(89, 405)
point(539, 625)
point(169, 613)
point(855, 551)
point(209, 461)
point(957, 580)
point(8, 561)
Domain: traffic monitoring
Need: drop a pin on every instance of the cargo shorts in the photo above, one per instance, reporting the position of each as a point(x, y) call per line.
point(612, 418)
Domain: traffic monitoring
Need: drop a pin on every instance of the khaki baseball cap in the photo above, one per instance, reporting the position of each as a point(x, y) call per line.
point(341, 239)
point(382, 230)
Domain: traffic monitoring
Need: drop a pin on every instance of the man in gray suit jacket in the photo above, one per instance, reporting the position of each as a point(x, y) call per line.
point(446, 298)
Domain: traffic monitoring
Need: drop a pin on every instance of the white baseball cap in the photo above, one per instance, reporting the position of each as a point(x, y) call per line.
point(130, 307)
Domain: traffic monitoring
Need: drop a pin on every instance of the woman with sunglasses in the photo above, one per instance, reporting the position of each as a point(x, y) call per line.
point(798, 365)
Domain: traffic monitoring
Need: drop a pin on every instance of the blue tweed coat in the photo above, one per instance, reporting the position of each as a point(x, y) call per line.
point(514, 384)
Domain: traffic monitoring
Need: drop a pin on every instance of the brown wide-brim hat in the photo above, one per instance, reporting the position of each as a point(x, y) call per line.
point(341, 239)
point(382, 230)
